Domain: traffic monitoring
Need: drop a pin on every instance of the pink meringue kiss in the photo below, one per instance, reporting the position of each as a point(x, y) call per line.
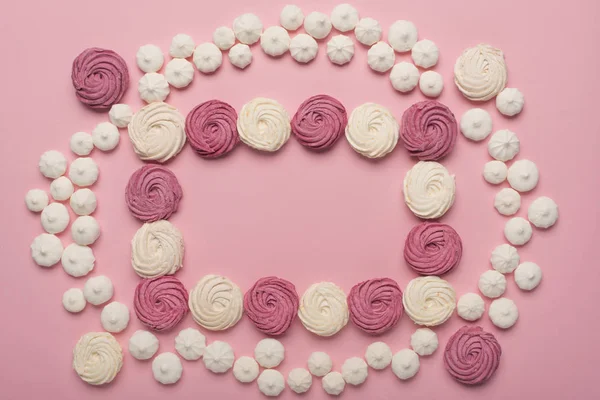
point(272, 305)
point(432, 248)
point(375, 305)
point(153, 193)
point(429, 130)
point(319, 122)
point(211, 129)
point(472, 355)
point(160, 303)
point(100, 77)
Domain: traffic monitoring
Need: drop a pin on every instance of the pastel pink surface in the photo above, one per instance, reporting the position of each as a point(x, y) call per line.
point(306, 216)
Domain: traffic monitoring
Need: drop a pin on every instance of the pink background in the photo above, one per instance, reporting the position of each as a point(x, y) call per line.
point(303, 216)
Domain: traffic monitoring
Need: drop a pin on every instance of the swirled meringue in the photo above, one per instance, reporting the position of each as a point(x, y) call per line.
point(247, 28)
point(143, 345)
point(518, 231)
point(368, 31)
point(167, 368)
point(432, 248)
point(207, 57)
point(83, 202)
point(98, 290)
point(211, 128)
point(372, 130)
point(114, 317)
point(340, 49)
point(182, 46)
point(77, 260)
point(272, 305)
point(404, 77)
point(157, 249)
point(149, 58)
point(319, 122)
point(333, 383)
point(73, 300)
point(507, 201)
point(319, 363)
point(85, 230)
point(190, 343)
point(375, 305)
point(510, 102)
point(317, 25)
point(179, 72)
point(523, 175)
point(503, 312)
point(81, 143)
point(52, 164)
point(157, 132)
point(100, 77)
point(269, 353)
point(218, 357)
point(271, 382)
point(470, 307)
point(492, 284)
point(381, 57)
point(405, 364)
point(105, 136)
point(224, 37)
point(378, 355)
point(505, 258)
point(153, 193)
point(245, 369)
point(46, 250)
point(472, 355)
point(303, 48)
point(97, 358)
point(216, 303)
point(240, 55)
point(83, 171)
point(323, 309)
point(495, 172)
point(344, 17)
point(528, 276)
point(153, 87)
point(119, 115)
point(431, 83)
point(55, 218)
point(61, 188)
point(160, 303)
point(428, 130)
point(429, 190)
point(476, 124)
point(275, 41)
point(264, 124)
point(36, 200)
point(429, 300)
point(480, 72)
point(299, 380)
point(402, 35)
point(504, 145)
point(291, 17)
point(424, 341)
point(543, 212)
point(425, 53)
point(355, 371)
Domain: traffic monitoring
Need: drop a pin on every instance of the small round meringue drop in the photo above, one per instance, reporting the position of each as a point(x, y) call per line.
point(523, 175)
point(504, 145)
point(77, 260)
point(425, 53)
point(55, 218)
point(218, 357)
point(291, 17)
point(355, 371)
point(476, 124)
point(402, 35)
point(182, 46)
point(510, 102)
point(344, 17)
point(119, 115)
point(317, 25)
point(424, 341)
point(106, 136)
point(81, 143)
point(503, 312)
point(470, 307)
point(492, 284)
point(207, 57)
point(333, 383)
point(431, 84)
point(271, 383)
point(167, 368)
point(303, 48)
point(404, 77)
point(507, 201)
point(405, 364)
point(149, 58)
point(543, 212)
point(518, 231)
point(275, 41)
point(85, 230)
point(240, 55)
point(46, 250)
point(98, 290)
point(52, 164)
point(83, 172)
point(269, 353)
point(153, 87)
point(368, 31)
point(143, 345)
point(381, 57)
point(505, 258)
point(179, 73)
point(73, 300)
point(36, 200)
point(299, 380)
point(247, 28)
point(340, 49)
point(528, 276)
point(319, 363)
point(190, 344)
point(378, 355)
point(83, 202)
point(223, 37)
point(495, 172)
point(245, 369)
point(115, 317)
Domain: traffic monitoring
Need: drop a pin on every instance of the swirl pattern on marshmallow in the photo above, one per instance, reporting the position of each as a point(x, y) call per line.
point(153, 193)
point(480, 72)
point(429, 130)
point(157, 132)
point(372, 130)
point(160, 303)
point(375, 305)
point(157, 249)
point(429, 189)
point(216, 303)
point(323, 309)
point(100, 77)
point(429, 300)
point(211, 128)
point(432, 248)
point(319, 122)
point(264, 124)
point(472, 355)
point(272, 305)
point(97, 358)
